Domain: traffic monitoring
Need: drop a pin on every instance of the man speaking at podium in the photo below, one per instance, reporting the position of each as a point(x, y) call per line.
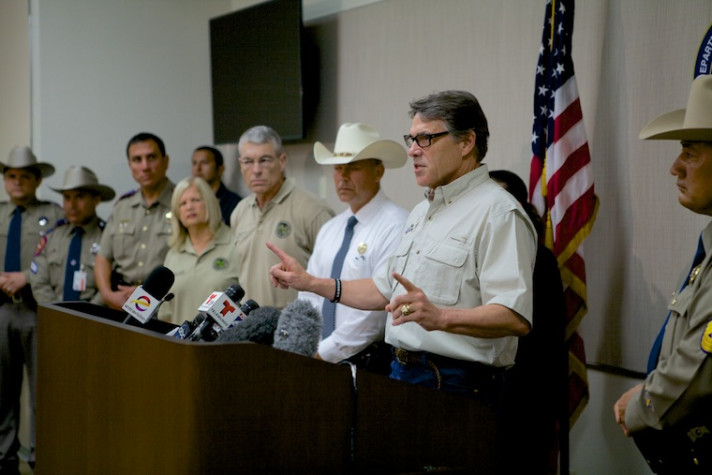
point(459, 287)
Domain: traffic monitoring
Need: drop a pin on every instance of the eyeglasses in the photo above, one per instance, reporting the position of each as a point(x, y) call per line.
point(262, 162)
point(423, 140)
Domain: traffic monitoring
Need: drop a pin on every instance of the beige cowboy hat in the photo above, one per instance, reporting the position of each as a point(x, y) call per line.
point(356, 141)
point(693, 123)
point(77, 177)
point(22, 157)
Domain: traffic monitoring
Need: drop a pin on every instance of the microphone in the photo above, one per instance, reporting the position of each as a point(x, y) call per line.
point(258, 327)
point(145, 300)
point(299, 328)
point(249, 306)
point(182, 332)
point(220, 308)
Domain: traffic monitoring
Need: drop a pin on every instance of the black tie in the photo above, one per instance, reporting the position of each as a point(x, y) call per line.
point(328, 309)
point(14, 237)
point(73, 263)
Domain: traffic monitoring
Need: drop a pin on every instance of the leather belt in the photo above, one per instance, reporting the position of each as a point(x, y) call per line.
point(406, 357)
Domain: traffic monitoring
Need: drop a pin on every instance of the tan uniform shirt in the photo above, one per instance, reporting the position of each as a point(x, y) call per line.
point(199, 275)
point(135, 239)
point(37, 218)
point(681, 384)
point(48, 268)
point(291, 221)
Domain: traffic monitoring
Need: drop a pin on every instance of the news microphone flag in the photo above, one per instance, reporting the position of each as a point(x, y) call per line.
point(146, 298)
point(222, 309)
point(141, 305)
point(561, 179)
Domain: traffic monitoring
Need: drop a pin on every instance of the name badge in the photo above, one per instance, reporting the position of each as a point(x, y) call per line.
point(80, 281)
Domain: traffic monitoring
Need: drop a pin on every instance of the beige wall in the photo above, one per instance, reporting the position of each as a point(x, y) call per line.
point(14, 77)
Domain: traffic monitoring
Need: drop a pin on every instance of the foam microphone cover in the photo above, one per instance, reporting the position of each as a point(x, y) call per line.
point(159, 282)
point(257, 327)
point(299, 328)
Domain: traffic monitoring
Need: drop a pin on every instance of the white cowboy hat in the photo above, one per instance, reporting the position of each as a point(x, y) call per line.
point(77, 177)
point(693, 123)
point(22, 157)
point(356, 141)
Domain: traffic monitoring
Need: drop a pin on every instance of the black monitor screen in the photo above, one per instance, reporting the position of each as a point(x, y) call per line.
point(257, 70)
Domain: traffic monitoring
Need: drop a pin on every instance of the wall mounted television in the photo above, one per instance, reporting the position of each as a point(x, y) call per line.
point(256, 66)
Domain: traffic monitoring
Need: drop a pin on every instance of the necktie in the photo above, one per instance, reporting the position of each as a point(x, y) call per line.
point(73, 264)
point(328, 309)
point(655, 351)
point(14, 237)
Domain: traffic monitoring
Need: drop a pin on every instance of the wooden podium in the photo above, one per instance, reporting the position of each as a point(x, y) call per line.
point(119, 399)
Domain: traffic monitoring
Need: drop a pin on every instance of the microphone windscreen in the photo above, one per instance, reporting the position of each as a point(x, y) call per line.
point(299, 328)
point(258, 327)
point(159, 282)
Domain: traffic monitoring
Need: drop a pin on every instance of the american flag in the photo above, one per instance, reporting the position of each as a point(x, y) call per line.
point(561, 179)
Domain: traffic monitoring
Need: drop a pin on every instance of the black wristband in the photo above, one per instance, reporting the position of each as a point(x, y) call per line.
point(337, 291)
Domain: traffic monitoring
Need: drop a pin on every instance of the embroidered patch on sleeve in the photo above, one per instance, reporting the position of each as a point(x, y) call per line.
point(706, 343)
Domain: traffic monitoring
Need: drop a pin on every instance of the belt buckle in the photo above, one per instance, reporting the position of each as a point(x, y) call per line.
point(17, 298)
point(401, 355)
point(405, 357)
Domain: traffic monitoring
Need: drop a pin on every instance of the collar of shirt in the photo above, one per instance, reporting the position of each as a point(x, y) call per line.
point(370, 210)
point(165, 199)
point(281, 195)
point(444, 195)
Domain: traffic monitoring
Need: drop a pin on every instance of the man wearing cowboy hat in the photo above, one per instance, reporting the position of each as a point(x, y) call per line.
point(23, 222)
point(670, 414)
point(64, 269)
point(276, 210)
point(135, 240)
point(359, 160)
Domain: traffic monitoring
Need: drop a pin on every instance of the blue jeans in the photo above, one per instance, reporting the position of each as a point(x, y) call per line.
point(474, 380)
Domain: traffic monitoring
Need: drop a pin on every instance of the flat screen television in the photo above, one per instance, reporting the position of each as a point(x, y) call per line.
point(256, 66)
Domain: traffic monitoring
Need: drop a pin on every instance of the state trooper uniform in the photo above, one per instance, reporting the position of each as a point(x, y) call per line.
point(18, 317)
point(49, 268)
point(135, 239)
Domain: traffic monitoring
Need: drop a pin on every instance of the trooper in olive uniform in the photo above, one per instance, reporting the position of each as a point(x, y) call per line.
point(135, 239)
point(24, 220)
point(59, 272)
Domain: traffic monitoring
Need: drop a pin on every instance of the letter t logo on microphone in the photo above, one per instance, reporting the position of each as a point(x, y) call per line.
point(212, 297)
point(227, 308)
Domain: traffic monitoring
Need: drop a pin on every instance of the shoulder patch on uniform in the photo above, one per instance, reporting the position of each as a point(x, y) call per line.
point(41, 245)
point(34, 267)
point(706, 343)
point(128, 194)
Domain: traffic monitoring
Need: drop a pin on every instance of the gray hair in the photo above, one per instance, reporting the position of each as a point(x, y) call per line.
point(261, 134)
point(461, 112)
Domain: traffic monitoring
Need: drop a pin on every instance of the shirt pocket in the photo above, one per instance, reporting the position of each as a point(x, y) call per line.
point(443, 269)
point(125, 240)
point(399, 259)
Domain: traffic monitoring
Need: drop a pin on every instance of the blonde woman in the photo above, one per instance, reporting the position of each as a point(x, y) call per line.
point(201, 250)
